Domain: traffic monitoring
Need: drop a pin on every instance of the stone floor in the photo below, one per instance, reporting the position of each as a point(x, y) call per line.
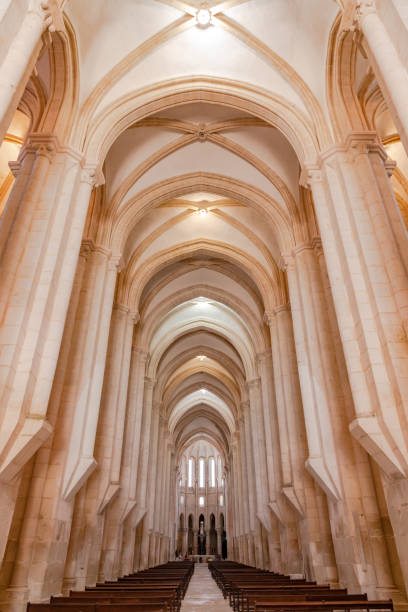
point(203, 593)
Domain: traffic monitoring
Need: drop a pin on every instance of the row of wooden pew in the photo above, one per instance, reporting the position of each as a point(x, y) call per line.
point(158, 589)
point(253, 590)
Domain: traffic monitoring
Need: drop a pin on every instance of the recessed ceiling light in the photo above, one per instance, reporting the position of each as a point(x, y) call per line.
point(203, 391)
point(201, 357)
point(202, 212)
point(203, 16)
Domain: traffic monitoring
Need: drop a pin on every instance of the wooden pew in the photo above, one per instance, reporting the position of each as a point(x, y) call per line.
point(159, 589)
point(253, 590)
point(323, 606)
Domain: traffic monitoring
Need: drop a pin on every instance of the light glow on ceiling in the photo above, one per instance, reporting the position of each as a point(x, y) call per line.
point(203, 16)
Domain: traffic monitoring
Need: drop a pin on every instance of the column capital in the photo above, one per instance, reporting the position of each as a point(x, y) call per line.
point(15, 168)
point(281, 308)
point(356, 143)
point(364, 8)
point(244, 405)
point(315, 244)
point(286, 260)
point(268, 317)
point(149, 382)
point(354, 12)
point(41, 144)
point(92, 174)
point(49, 12)
point(121, 308)
point(260, 357)
point(140, 353)
point(311, 175)
point(254, 383)
point(87, 246)
point(115, 261)
point(156, 406)
point(301, 248)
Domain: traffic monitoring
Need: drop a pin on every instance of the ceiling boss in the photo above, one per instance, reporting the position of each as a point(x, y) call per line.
point(203, 16)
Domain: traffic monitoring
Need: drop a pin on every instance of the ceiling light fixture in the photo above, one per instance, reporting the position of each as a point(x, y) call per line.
point(201, 357)
point(203, 16)
point(202, 212)
point(203, 391)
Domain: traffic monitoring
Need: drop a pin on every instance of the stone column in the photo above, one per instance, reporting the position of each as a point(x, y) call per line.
point(37, 506)
point(160, 473)
point(257, 429)
point(37, 270)
point(84, 558)
point(93, 324)
point(185, 541)
point(245, 486)
point(320, 383)
point(219, 541)
point(167, 508)
point(151, 480)
point(287, 504)
point(370, 288)
point(272, 457)
point(127, 460)
point(368, 279)
point(387, 64)
point(238, 496)
point(304, 288)
point(19, 61)
point(142, 480)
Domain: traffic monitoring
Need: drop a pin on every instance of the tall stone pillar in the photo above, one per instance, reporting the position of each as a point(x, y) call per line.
point(368, 277)
point(364, 567)
point(238, 495)
point(248, 492)
point(151, 480)
point(160, 474)
point(18, 63)
point(288, 502)
point(257, 429)
point(387, 64)
point(37, 269)
point(142, 479)
point(119, 501)
point(36, 506)
point(93, 323)
point(219, 541)
point(273, 459)
point(104, 484)
point(46, 218)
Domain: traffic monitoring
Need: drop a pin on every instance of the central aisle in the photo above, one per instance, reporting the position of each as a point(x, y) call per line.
point(203, 593)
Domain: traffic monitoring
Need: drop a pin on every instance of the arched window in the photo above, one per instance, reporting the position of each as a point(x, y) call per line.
point(201, 473)
point(219, 468)
point(212, 472)
point(181, 499)
point(190, 471)
point(201, 501)
point(221, 500)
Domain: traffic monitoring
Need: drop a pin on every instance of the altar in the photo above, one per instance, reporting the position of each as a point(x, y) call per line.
point(205, 558)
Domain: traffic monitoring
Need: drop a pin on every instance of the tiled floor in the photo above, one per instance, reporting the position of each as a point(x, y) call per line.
point(203, 593)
